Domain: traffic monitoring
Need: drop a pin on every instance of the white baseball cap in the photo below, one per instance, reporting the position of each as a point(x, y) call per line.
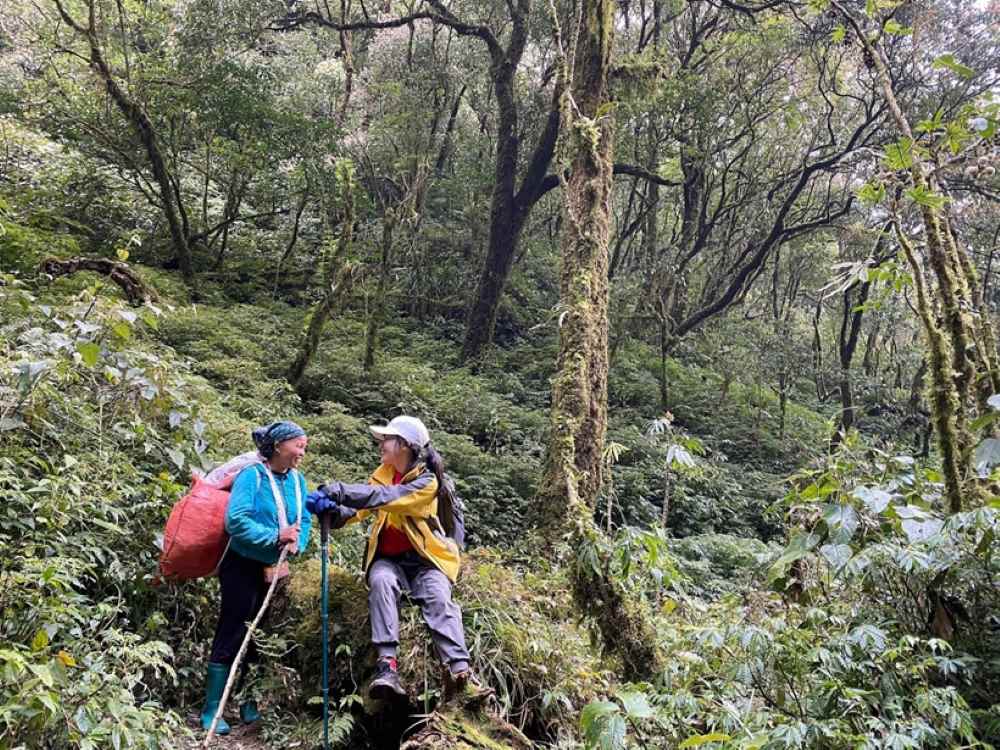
point(411, 429)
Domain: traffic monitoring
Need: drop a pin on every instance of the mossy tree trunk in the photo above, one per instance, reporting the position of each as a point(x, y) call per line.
point(574, 464)
point(946, 309)
point(133, 112)
point(389, 220)
point(396, 214)
point(337, 278)
point(985, 336)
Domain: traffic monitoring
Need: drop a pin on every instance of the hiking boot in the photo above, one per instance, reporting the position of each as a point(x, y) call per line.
point(386, 685)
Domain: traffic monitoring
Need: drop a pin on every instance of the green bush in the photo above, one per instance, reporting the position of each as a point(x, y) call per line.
point(23, 248)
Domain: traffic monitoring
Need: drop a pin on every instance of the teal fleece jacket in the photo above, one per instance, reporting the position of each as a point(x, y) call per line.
point(252, 516)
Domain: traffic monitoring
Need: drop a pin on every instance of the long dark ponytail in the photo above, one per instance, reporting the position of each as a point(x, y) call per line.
point(435, 462)
point(449, 511)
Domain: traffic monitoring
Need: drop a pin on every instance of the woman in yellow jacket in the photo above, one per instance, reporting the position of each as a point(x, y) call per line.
point(407, 549)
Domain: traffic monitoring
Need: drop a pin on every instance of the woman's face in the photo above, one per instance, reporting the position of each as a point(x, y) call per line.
point(394, 452)
point(290, 452)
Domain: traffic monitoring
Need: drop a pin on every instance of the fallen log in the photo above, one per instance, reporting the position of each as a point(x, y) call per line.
point(134, 288)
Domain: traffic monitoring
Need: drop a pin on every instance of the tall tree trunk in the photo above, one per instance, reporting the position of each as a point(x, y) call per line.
point(574, 465)
point(509, 209)
point(292, 240)
point(869, 362)
point(948, 342)
point(818, 375)
point(385, 267)
point(234, 199)
point(505, 222)
point(143, 126)
point(664, 373)
point(668, 485)
point(984, 332)
point(783, 384)
point(850, 331)
point(337, 279)
point(336, 290)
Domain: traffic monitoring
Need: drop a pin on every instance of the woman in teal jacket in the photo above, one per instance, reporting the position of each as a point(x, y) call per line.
point(266, 514)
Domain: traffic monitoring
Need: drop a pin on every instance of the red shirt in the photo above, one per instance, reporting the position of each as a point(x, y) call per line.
point(393, 541)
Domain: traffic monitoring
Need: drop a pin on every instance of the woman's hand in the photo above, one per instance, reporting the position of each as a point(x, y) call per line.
point(289, 537)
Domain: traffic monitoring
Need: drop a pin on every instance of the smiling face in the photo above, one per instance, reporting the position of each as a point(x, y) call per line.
point(288, 453)
point(396, 453)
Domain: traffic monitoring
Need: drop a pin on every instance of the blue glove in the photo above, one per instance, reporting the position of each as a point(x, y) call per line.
point(318, 502)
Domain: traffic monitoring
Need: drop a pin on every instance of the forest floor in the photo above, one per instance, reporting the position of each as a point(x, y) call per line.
point(242, 737)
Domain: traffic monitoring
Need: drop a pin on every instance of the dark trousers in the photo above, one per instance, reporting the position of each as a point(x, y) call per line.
point(243, 590)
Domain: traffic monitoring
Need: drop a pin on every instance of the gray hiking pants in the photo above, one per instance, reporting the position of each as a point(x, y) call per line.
point(426, 586)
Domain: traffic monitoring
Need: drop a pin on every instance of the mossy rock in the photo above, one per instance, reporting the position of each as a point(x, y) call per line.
point(455, 727)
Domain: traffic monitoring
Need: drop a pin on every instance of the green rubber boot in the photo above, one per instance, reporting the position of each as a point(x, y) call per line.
point(215, 684)
point(248, 712)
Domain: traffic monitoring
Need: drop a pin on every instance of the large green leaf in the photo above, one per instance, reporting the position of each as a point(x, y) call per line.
point(836, 555)
point(875, 499)
point(841, 520)
point(899, 155)
point(603, 726)
point(893, 26)
point(926, 197)
point(90, 352)
point(800, 546)
point(871, 193)
point(950, 62)
point(918, 531)
point(41, 640)
point(613, 736)
point(593, 711)
point(636, 705)
point(987, 455)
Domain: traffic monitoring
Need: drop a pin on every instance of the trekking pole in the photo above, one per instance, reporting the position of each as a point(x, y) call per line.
point(234, 670)
point(324, 545)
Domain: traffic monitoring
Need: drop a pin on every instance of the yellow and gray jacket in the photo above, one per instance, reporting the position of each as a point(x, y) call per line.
point(410, 506)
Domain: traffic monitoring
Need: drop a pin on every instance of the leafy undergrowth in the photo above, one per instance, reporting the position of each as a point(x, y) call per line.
point(822, 642)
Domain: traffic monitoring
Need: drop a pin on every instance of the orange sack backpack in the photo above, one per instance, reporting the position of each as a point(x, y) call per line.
point(195, 539)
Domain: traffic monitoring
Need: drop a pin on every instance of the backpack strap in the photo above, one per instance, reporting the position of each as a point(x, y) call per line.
point(298, 496)
point(279, 499)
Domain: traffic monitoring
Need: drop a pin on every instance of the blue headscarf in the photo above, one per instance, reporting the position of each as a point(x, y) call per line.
point(265, 438)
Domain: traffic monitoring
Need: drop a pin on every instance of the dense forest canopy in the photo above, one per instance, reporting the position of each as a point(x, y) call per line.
point(698, 299)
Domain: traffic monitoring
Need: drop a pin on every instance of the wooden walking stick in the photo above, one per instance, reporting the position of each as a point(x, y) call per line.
point(234, 670)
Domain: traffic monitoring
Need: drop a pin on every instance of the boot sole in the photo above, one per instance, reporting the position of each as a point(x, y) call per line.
point(382, 692)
